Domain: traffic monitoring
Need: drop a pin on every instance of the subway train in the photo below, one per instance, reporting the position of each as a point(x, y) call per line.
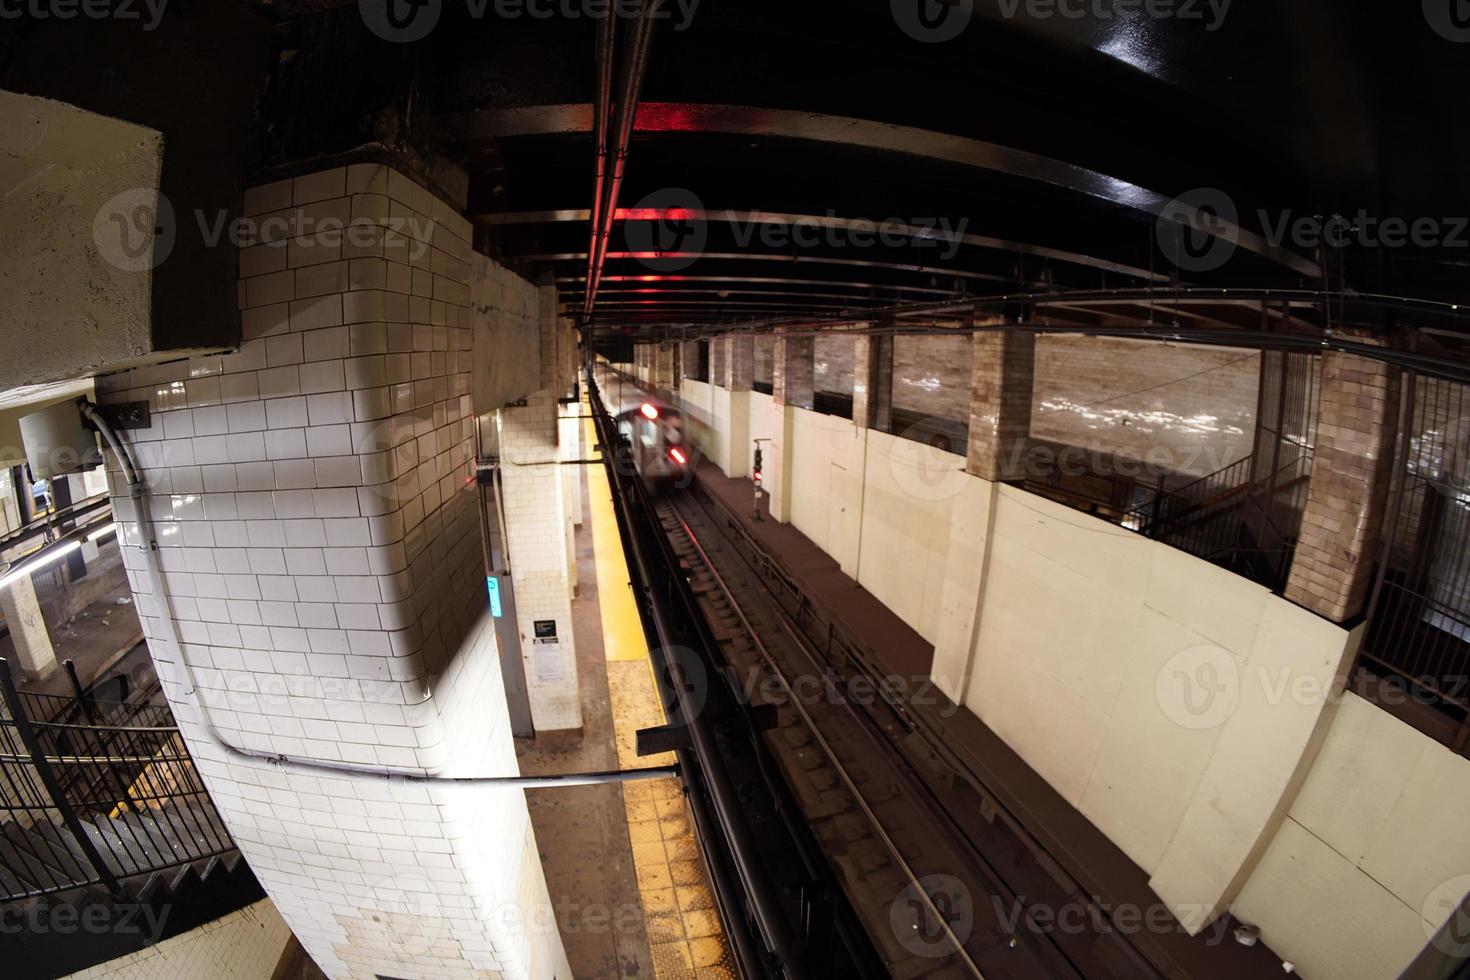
point(655, 434)
point(654, 429)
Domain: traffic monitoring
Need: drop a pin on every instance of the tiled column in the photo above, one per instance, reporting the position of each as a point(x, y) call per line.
point(1349, 486)
point(1000, 403)
point(537, 529)
point(718, 356)
point(320, 547)
point(664, 359)
point(28, 631)
point(792, 376)
point(863, 362)
point(739, 362)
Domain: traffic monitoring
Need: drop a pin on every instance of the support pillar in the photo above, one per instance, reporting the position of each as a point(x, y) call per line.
point(864, 381)
point(689, 358)
point(1347, 494)
point(739, 370)
point(324, 573)
point(27, 628)
point(739, 362)
point(791, 389)
point(664, 372)
point(1000, 403)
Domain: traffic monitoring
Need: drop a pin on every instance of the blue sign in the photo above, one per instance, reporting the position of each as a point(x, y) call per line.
point(492, 585)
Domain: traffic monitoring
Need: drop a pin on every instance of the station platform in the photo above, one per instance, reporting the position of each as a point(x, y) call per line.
point(622, 866)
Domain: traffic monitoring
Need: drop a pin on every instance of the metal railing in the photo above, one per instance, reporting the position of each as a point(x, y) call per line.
point(1230, 519)
point(1418, 618)
point(96, 792)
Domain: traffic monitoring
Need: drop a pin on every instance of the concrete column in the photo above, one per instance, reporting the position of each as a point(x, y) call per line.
point(791, 389)
point(322, 567)
point(1000, 403)
point(739, 366)
point(27, 628)
point(1342, 525)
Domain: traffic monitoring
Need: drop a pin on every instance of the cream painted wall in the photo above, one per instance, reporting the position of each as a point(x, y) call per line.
point(827, 455)
point(1194, 717)
point(909, 494)
point(1373, 853)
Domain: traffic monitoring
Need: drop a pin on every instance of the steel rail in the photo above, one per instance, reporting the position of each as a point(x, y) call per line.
point(728, 808)
point(794, 701)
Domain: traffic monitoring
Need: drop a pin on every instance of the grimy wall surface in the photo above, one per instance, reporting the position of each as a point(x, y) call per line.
point(72, 308)
point(320, 542)
point(1194, 717)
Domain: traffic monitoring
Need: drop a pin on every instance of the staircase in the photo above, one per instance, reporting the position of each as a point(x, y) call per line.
point(109, 842)
point(1230, 519)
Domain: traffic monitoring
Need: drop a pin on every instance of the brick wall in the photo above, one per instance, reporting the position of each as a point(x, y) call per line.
point(931, 375)
point(1182, 407)
point(321, 556)
point(1000, 403)
point(832, 363)
point(792, 379)
point(764, 369)
point(1342, 525)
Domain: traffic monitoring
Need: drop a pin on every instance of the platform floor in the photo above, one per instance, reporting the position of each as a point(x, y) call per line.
point(622, 865)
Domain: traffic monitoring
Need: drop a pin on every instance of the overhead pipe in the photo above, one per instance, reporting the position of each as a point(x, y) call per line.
point(601, 109)
point(634, 63)
point(148, 547)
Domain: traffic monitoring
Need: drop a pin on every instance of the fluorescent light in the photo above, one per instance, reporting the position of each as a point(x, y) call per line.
point(102, 532)
point(48, 558)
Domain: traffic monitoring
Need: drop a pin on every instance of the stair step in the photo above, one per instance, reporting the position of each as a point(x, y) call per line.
point(49, 850)
point(121, 855)
point(32, 874)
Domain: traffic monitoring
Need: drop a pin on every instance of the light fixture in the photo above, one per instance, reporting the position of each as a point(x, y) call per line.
point(48, 558)
point(648, 411)
point(102, 532)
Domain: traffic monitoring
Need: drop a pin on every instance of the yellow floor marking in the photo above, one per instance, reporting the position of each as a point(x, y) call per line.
point(684, 933)
point(621, 627)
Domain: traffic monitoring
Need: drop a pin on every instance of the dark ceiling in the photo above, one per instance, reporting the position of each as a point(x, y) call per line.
point(1026, 157)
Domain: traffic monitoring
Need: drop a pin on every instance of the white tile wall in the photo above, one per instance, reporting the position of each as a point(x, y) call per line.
point(244, 945)
point(320, 545)
point(538, 525)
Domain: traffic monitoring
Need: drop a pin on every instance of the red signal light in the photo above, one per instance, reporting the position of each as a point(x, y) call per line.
point(648, 411)
point(678, 455)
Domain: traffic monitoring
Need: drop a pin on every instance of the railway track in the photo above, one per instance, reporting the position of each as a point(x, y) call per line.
point(940, 897)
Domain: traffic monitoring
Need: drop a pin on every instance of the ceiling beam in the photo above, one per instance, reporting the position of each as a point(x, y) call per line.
point(869, 134)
